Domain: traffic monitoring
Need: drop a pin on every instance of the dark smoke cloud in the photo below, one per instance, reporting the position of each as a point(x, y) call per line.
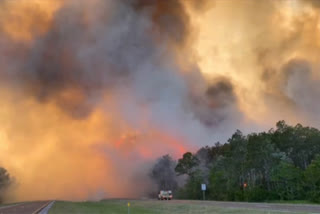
point(124, 45)
point(85, 57)
point(163, 174)
point(221, 93)
point(170, 20)
point(218, 99)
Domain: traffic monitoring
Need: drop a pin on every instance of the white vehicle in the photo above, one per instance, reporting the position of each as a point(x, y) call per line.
point(165, 195)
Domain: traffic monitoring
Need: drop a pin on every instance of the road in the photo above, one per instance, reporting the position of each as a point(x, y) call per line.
point(24, 208)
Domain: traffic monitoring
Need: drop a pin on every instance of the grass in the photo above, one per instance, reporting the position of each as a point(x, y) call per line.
point(113, 207)
point(293, 202)
point(145, 207)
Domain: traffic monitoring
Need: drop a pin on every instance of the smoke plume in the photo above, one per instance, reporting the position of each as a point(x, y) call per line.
point(92, 92)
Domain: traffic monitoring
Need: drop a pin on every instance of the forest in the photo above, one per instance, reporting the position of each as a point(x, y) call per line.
point(281, 164)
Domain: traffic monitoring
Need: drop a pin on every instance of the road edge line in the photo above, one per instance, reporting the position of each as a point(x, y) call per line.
point(42, 207)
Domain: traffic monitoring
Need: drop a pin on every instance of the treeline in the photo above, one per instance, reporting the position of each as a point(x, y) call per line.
point(281, 164)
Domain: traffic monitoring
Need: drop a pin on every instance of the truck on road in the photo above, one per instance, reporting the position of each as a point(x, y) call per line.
point(165, 195)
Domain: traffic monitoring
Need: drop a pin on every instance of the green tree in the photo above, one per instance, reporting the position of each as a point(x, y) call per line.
point(287, 180)
point(279, 164)
point(236, 159)
point(261, 158)
point(192, 188)
point(301, 144)
point(221, 182)
point(187, 164)
point(312, 175)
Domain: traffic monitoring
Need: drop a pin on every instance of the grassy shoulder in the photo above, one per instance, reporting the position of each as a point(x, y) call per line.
point(146, 207)
point(114, 207)
point(293, 202)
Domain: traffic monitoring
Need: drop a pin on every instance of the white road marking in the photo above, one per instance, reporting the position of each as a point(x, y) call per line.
point(47, 208)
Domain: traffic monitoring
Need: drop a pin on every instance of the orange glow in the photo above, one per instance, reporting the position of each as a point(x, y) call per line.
point(25, 19)
point(232, 36)
point(42, 146)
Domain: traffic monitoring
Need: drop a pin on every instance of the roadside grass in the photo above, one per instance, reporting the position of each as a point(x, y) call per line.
point(292, 202)
point(146, 207)
point(63, 207)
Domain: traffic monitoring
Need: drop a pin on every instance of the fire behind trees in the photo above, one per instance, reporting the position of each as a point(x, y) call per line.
point(281, 164)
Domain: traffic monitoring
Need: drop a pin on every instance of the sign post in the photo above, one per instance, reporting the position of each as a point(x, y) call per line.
point(204, 188)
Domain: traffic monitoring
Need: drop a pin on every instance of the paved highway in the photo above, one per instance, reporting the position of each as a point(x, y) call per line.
point(25, 208)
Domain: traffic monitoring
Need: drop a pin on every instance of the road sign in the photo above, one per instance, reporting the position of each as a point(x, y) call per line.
point(203, 187)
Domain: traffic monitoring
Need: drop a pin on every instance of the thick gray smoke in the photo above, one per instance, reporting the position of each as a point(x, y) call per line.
point(126, 59)
point(119, 47)
point(163, 174)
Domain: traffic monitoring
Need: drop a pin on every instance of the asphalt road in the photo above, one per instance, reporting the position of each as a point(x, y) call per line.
point(24, 208)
